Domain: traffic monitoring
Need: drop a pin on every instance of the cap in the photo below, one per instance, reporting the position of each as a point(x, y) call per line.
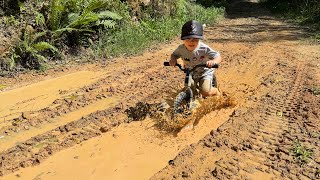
point(192, 29)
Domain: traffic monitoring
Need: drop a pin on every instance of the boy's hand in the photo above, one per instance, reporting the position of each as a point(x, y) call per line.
point(173, 62)
point(210, 63)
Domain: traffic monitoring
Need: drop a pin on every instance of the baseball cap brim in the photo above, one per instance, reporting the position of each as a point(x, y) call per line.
point(192, 36)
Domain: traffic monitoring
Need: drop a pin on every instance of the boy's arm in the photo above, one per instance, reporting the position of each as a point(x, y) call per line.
point(216, 60)
point(214, 57)
point(173, 59)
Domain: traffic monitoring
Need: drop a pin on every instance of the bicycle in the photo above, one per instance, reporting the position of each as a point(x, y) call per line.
point(185, 100)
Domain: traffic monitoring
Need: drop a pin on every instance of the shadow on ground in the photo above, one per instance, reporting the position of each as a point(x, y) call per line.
point(256, 24)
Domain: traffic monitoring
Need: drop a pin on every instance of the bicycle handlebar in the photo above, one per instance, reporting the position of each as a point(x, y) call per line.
point(200, 65)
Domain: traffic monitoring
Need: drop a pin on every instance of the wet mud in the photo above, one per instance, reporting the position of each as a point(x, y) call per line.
point(265, 124)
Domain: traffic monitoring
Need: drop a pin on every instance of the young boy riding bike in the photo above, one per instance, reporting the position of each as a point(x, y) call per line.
point(194, 52)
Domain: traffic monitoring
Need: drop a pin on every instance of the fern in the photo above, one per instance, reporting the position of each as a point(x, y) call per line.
point(42, 46)
point(28, 51)
point(109, 15)
point(81, 21)
point(94, 5)
point(109, 24)
point(13, 59)
point(55, 15)
point(40, 21)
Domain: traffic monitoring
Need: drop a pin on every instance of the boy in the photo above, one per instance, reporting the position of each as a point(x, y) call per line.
point(194, 52)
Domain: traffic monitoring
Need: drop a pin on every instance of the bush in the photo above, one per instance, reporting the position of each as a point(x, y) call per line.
point(304, 11)
point(104, 25)
point(134, 38)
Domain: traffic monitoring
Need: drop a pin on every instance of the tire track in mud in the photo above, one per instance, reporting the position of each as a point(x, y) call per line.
point(256, 141)
point(266, 138)
point(103, 89)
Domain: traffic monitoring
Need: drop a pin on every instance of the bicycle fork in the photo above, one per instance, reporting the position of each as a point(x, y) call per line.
point(188, 83)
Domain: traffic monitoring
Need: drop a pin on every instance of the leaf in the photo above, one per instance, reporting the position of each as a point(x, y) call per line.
point(60, 31)
point(2, 86)
point(83, 20)
point(21, 6)
point(109, 14)
point(107, 23)
point(38, 35)
point(41, 46)
point(13, 59)
point(55, 14)
point(40, 19)
point(40, 57)
point(72, 17)
point(95, 4)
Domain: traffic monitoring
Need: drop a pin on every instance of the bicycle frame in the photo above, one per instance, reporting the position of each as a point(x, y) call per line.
point(190, 86)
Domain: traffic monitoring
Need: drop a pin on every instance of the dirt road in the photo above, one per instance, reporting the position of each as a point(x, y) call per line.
point(70, 123)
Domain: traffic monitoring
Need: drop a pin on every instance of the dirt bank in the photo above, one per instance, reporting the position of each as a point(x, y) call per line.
point(72, 123)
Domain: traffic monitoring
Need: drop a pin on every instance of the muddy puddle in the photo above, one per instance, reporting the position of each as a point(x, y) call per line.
point(165, 120)
point(39, 95)
point(134, 150)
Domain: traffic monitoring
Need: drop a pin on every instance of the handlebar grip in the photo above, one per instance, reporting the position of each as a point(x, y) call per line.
point(215, 66)
point(166, 63)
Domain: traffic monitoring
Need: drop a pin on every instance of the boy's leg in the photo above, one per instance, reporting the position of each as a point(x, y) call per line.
point(206, 88)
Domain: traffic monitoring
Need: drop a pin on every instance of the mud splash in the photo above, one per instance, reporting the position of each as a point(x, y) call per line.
point(162, 113)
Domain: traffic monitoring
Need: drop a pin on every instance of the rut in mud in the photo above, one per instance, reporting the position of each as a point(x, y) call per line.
point(269, 110)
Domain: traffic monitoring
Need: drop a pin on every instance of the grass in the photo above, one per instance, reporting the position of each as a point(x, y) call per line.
point(124, 38)
point(315, 90)
point(301, 153)
point(2, 86)
point(135, 38)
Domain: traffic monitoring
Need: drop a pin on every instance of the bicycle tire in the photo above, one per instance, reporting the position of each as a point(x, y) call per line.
point(181, 99)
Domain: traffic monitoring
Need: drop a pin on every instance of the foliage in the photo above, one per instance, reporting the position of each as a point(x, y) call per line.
point(134, 38)
point(304, 11)
point(10, 21)
point(314, 90)
point(2, 86)
point(78, 18)
point(28, 51)
point(301, 153)
point(58, 23)
point(105, 25)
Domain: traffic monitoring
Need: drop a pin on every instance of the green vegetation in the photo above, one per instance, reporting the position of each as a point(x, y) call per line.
point(28, 51)
point(50, 29)
point(314, 90)
point(2, 86)
point(301, 153)
point(136, 37)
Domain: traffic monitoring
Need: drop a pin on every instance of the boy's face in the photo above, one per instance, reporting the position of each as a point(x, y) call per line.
point(191, 44)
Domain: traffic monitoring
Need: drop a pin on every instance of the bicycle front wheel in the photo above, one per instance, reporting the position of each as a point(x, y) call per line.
point(181, 102)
